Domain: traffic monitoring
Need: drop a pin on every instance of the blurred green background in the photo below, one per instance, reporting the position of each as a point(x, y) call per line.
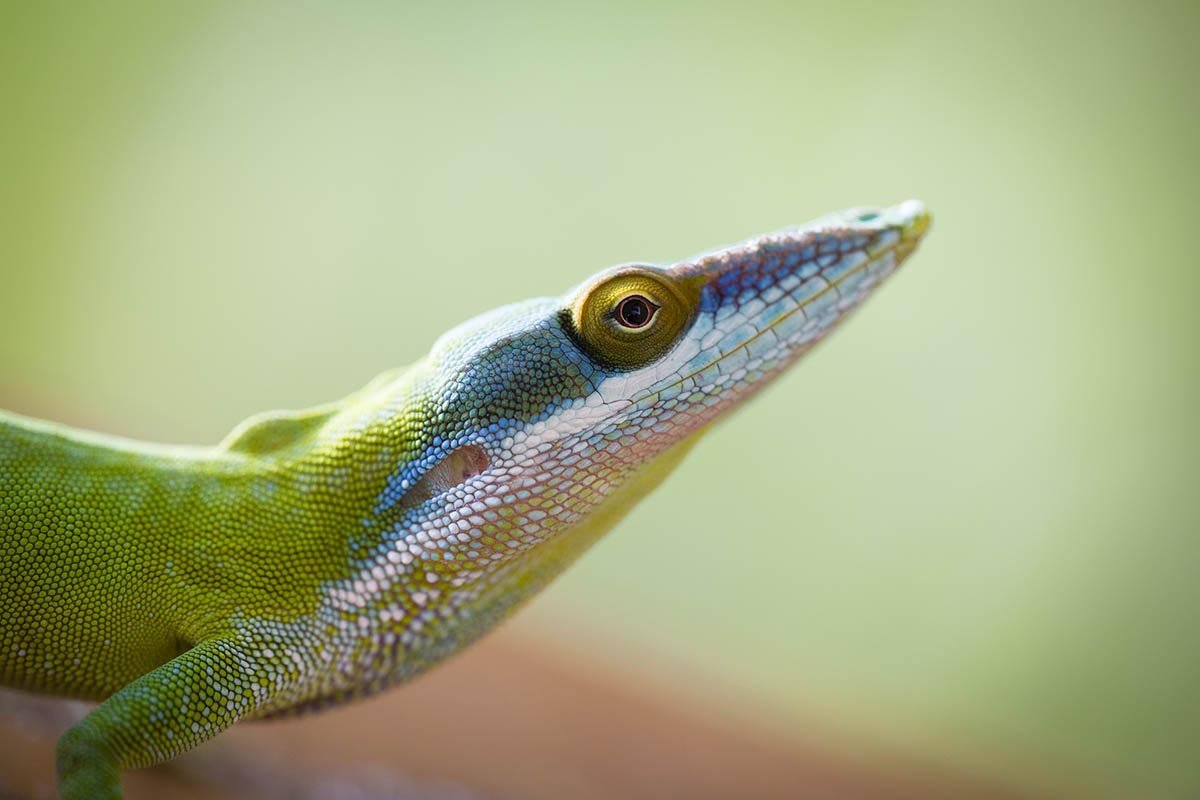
point(966, 526)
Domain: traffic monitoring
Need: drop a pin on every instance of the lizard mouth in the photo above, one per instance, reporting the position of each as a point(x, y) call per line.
point(766, 303)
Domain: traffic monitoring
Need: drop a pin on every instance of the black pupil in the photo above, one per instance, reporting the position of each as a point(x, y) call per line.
point(634, 311)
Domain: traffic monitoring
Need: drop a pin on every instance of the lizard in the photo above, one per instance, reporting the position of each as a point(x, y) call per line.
point(317, 556)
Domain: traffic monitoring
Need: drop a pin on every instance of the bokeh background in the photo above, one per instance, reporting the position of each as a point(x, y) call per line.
point(965, 529)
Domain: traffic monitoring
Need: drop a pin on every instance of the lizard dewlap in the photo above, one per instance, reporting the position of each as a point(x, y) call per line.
point(321, 555)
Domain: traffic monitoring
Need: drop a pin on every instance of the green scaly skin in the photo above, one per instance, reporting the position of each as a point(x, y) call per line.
point(322, 555)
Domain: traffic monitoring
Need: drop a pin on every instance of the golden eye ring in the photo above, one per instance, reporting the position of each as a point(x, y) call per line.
point(632, 316)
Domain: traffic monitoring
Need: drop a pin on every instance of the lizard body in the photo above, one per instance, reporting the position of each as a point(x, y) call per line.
point(316, 556)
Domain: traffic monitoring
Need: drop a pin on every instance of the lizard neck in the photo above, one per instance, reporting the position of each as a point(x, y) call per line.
point(393, 622)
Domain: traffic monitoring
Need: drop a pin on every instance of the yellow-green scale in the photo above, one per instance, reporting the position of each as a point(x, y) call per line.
point(118, 556)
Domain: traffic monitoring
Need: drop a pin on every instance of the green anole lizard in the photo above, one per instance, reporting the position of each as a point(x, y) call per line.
point(316, 556)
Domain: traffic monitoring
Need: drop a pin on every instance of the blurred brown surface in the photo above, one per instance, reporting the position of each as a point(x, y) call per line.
point(507, 719)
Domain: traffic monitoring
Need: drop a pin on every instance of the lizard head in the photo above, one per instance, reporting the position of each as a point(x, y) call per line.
point(540, 423)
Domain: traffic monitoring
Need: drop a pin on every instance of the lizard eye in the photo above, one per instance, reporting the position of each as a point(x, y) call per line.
point(631, 317)
point(634, 311)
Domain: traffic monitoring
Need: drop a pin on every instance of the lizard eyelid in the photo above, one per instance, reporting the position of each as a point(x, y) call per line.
point(635, 311)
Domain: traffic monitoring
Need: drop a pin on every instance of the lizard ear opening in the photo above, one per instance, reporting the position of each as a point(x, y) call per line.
point(458, 467)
